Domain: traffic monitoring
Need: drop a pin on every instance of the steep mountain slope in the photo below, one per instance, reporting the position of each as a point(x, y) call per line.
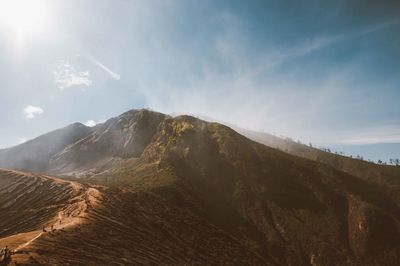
point(371, 172)
point(183, 191)
point(124, 136)
point(35, 154)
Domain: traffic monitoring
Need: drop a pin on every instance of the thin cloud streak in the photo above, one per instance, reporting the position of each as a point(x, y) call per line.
point(374, 135)
point(322, 42)
point(102, 66)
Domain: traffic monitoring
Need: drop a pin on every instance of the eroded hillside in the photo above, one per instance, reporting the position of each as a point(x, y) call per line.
point(33, 206)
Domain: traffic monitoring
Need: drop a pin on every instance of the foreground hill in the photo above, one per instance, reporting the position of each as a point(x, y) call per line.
point(183, 191)
point(31, 206)
point(28, 201)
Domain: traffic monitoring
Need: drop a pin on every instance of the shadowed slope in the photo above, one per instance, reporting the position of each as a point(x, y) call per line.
point(375, 173)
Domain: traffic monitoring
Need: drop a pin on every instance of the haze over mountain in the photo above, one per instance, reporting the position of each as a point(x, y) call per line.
point(34, 155)
point(148, 188)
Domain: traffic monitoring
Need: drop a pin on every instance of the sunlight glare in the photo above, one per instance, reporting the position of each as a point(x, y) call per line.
point(23, 16)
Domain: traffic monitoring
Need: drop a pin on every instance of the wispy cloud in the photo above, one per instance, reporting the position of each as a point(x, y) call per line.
point(90, 123)
point(381, 134)
point(114, 75)
point(227, 46)
point(31, 111)
point(67, 76)
point(325, 41)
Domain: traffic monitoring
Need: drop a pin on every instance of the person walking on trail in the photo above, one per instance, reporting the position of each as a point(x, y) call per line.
point(6, 254)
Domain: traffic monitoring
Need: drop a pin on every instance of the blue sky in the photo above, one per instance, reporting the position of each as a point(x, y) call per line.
point(326, 72)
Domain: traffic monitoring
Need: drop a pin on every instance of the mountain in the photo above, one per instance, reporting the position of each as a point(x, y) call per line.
point(78, 146)
point(124, 136)
point(155, 189)
point(34, 155)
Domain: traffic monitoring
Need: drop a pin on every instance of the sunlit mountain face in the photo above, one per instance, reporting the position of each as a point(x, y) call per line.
point(199, 132)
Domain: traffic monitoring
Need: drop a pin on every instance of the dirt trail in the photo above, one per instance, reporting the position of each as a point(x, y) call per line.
point(75, 213)
point(28, 242)
point(72, 214)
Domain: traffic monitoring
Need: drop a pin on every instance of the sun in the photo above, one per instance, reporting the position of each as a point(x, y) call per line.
point(23, 16)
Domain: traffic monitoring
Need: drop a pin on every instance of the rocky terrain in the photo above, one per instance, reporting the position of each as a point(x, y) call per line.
point(149, 189)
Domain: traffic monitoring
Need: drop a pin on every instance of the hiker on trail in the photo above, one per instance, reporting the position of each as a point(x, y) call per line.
point(7, 254)
point(6, 251)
